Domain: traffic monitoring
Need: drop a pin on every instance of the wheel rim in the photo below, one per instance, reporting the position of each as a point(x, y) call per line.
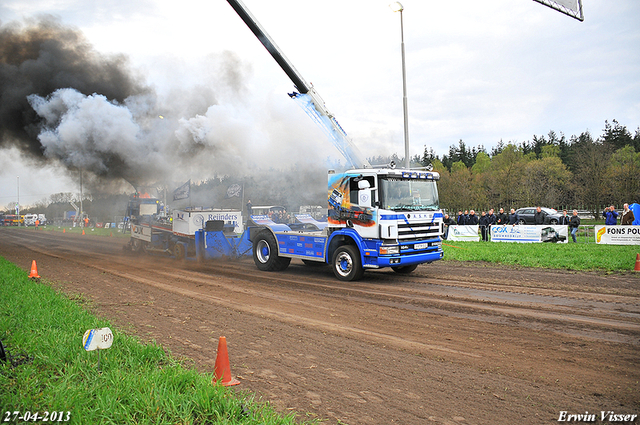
point(344, 264)
point(263, 251)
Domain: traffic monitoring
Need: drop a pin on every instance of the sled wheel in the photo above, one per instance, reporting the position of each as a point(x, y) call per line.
point(178, 251)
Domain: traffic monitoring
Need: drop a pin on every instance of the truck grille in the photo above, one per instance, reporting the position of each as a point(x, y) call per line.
point(416, 231)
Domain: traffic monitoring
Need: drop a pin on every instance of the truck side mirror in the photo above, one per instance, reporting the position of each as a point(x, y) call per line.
point(363, 184)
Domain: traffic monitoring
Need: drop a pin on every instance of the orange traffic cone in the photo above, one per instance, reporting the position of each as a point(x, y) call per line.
point(222, 371)
point(637, 268)
point(82, 231)
point(64, 230)
point(34, 271)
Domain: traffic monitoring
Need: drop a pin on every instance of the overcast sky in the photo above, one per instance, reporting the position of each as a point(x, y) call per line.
point(480, 71)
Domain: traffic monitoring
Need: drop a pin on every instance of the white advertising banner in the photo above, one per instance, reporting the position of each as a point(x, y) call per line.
point(187, 222)
point(530, 234)
point(463, 233)
point(618, 235)
point(141, 232)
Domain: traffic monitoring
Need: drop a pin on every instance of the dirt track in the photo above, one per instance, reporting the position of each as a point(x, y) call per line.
point(448, 344)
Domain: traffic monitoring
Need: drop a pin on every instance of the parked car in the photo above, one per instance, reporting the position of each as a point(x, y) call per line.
point(526, 215)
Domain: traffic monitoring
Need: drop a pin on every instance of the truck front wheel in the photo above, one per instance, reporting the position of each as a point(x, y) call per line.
point(265, 253)
point(347, 265)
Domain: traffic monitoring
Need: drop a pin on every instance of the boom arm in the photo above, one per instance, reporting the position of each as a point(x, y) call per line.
point(308, 98)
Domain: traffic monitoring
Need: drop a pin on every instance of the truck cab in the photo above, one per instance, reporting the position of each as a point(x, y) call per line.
point(376, 218)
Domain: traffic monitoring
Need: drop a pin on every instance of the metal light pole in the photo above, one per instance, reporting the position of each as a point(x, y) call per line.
point(396, 6)
point(18, 203)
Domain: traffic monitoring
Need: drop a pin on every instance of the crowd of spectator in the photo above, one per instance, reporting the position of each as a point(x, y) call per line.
point(486, 220)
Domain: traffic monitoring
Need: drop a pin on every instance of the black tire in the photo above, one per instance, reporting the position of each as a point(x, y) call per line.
point(405, 269)
point(553, 221)
point(179, 252)
point(265, 253)
point(347, 265)
point(521, 221)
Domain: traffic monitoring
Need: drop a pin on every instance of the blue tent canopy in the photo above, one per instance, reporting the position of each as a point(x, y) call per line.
point(636, 213)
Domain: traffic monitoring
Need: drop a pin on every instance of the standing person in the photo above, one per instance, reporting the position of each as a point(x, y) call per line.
point(564, 220)
point(610, 215)
point(461, 219)
point(491, 220)
point(627, 216)
point(539, 216)
point(484, 223)
point(472, 219)
point(449, 221)
point(502, 218)
point(249, 208)
point(574, 223)
point(466, 217)
point(513, 217)
point(492, 217)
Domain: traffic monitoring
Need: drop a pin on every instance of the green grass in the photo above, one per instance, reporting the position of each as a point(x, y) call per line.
point(137, 383)
point(571, 256)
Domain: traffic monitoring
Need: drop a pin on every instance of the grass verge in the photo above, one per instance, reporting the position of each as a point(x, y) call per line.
point(49, 371)
point(585, 257)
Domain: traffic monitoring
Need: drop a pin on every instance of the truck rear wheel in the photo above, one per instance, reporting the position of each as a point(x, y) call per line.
point(347, 265)
point(265, 253)
point(405, 269)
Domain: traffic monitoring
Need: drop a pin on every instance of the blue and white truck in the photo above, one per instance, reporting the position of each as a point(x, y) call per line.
point(377, 217)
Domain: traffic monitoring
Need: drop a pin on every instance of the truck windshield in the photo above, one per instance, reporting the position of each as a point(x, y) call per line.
point(408, 194)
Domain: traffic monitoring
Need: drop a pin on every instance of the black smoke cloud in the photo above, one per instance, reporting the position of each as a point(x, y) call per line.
point(40, 56)
point(64, 104)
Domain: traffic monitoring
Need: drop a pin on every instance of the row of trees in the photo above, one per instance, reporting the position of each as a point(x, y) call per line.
point(549, 171)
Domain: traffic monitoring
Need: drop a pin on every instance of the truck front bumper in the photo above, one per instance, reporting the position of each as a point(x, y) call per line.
point(408, 259)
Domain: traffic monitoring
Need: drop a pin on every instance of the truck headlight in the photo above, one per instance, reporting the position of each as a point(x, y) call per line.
point(389, 249)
